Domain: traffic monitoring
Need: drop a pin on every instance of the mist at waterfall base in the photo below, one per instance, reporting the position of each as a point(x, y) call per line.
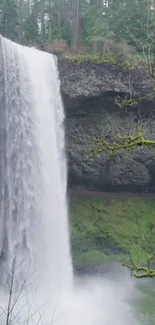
point(34, 235)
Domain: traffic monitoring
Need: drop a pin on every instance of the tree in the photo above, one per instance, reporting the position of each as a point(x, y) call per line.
point(79, 21)
point(20, 304)
point(141, 272)
point(31, 24)
point(9, 20)
point(147, 242)
point(42, 13)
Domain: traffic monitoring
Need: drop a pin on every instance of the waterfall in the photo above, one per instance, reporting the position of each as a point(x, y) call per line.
point(34, 231)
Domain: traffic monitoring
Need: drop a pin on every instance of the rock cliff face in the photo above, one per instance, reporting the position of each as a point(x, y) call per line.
point(91, 93)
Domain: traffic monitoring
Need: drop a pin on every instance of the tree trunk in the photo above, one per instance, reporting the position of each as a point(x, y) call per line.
point(50, 22)
point(21, 11)
point(77, 31)
point(5, 19)
point(76, 22)
point(42, 20)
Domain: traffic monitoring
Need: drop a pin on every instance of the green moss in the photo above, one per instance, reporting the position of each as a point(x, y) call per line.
point(133, 64)
point(94, 258)
point(89, 258)
point(98, 59)
point(111, 227)
point(105, 58)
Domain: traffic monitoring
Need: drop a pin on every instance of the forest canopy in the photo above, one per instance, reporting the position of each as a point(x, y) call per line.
point(90, 24)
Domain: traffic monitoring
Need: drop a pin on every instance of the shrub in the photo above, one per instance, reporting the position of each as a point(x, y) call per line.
point(121, 51)
point(57, 46)
point(90, 259)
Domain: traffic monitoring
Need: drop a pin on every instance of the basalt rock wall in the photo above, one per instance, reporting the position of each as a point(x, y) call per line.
point(93, 95)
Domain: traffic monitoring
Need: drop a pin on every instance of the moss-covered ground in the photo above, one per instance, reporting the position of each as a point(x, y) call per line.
point(109, 228)
point(89, 58)
point(127, 64)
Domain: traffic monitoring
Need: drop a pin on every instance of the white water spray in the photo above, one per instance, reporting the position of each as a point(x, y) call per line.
point(34, 236)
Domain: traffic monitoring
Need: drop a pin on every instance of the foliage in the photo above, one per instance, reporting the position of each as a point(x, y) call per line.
point(122, 51)
point(94, 28)
point(31, 29)
point(9, 20)
point(88, 58)
point(99, 25)
point(119, 53)
point(109, 226)
point(94, 258)
point(89, 259)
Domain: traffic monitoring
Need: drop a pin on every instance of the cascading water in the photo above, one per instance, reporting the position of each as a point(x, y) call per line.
point(34, 236)
point(33, 222)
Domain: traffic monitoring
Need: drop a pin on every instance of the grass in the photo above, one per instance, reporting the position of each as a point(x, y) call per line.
point(107, 229)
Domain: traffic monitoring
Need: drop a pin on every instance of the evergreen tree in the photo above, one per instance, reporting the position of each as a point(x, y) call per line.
point(86, 22)
point(9, 19)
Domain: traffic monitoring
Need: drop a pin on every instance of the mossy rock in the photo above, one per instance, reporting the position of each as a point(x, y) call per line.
point(104, 58)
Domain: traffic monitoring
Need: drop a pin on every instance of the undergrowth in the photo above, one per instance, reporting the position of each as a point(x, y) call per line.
point(105, 230)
